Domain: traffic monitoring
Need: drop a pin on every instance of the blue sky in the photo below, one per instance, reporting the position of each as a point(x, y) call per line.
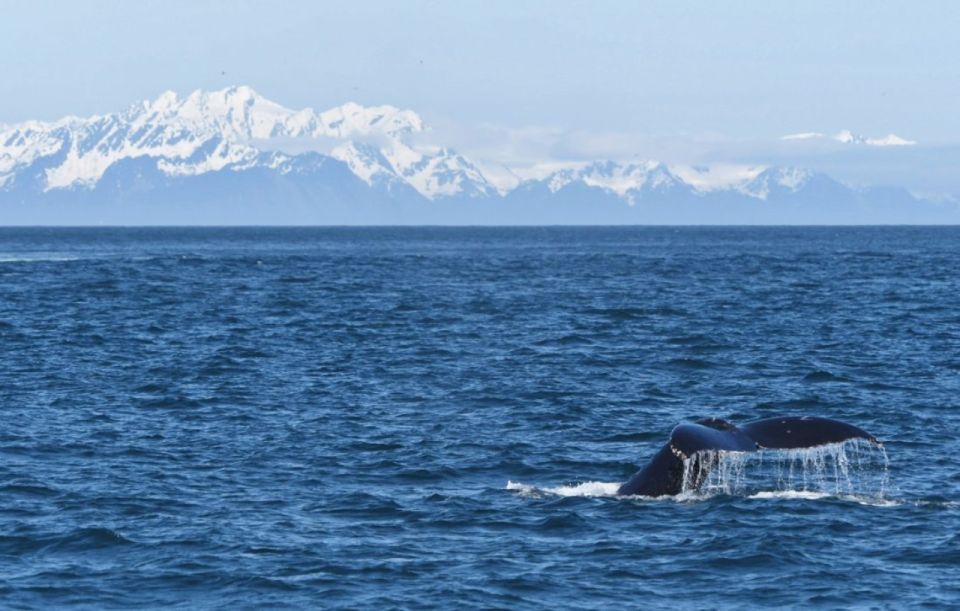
point(655, 79)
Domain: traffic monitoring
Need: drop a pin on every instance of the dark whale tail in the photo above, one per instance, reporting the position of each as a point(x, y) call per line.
point(664, 473)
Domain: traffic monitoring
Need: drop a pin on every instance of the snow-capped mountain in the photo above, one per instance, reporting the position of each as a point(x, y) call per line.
point(229, 129)
point(629, 181)
point(651, 180)
point(227, 157)
point(444, 173)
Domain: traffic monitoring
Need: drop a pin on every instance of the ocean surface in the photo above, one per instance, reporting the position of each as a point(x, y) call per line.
point(438, 417)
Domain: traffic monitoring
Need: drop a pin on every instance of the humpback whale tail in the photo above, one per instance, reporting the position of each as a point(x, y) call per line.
point(663, 475)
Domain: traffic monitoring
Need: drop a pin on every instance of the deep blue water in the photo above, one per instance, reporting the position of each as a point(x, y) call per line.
point(330, 417)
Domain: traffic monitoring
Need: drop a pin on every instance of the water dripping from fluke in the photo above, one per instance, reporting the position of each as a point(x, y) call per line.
point(696, 449)
point(854, 469)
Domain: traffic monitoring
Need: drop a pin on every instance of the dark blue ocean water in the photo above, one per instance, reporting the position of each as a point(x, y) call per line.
point(430, 418)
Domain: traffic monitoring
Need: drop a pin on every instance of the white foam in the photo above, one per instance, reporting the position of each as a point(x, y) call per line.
point(812, 495)
point(789, 494)
point(582, 489)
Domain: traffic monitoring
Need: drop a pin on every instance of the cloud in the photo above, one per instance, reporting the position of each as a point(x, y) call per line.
point(848, 137)
point(535, 146)
point(930, 169)
point(804, 136)
point(493, 143)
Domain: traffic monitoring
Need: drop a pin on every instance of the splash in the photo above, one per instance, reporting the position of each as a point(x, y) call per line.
point(582, 489)
point(853, 468)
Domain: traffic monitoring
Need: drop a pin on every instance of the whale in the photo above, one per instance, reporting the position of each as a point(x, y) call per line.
point(702, 439)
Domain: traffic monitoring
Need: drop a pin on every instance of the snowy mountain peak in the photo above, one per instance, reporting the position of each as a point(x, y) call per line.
point(351, 120)
point(205, 131)
point(443, 173)
point(772, 180)
point(634, 182)
point(165, 102)
point(619, 178)
point(366, 161)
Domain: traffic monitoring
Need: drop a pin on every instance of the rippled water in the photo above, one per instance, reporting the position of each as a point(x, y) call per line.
point(439, 417)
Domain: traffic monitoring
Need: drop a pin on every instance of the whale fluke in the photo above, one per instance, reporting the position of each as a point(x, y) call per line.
point(663, 475)
point(802, 432)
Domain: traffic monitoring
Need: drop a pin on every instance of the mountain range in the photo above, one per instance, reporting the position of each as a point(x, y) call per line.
point(235, 157)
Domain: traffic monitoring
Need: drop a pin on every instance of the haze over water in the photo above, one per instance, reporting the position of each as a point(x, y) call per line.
point(430, 417)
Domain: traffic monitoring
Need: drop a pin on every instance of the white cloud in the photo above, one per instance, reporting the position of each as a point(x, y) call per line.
point(803, 136)
point(846, 136)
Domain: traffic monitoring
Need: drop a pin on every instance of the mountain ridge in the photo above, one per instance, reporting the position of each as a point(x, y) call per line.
point(202, 148)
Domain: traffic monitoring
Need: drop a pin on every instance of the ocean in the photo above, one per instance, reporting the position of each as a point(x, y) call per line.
point(439, 417)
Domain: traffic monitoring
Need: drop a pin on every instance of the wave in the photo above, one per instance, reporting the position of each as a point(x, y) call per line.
point(689, 363)
point(820, 376)
point(37, 258)
point(77, 540)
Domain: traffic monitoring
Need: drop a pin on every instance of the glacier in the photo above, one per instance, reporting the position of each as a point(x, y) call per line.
point(234, 157)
